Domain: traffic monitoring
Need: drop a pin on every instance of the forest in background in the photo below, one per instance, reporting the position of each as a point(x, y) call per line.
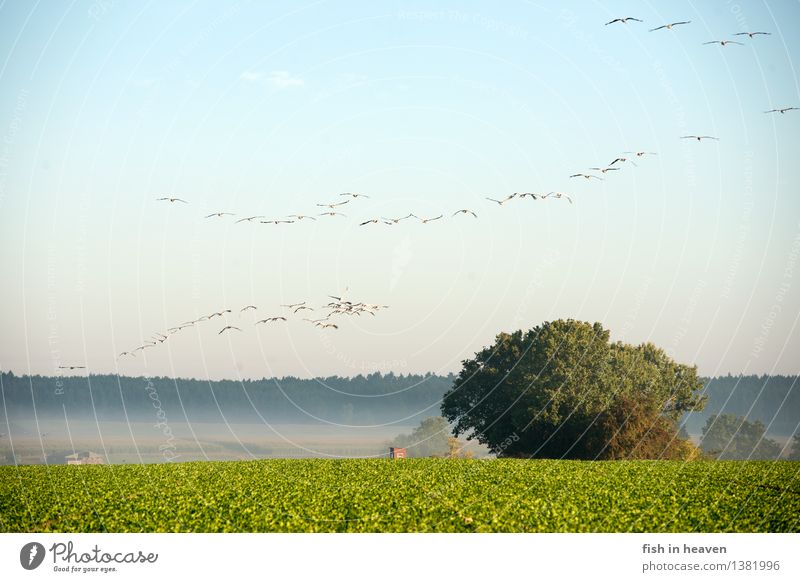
point(374, 398)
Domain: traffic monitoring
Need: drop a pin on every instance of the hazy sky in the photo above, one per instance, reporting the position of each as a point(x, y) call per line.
point(270, 108)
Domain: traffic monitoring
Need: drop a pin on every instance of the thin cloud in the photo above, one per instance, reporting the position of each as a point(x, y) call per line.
point(282, 80)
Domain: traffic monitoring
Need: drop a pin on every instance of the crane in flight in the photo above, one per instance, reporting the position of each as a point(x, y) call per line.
point(271, 319)
point(669, 26)
point(623, 20)
point(169, 199)
point(227, 327)
point(465, 211)
point(781, 110)
point(699, 137)
point(751, 34)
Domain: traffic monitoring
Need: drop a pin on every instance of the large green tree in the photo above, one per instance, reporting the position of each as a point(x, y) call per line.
point(564, 390)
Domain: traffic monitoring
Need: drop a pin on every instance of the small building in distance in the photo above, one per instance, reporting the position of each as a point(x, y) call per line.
point(84, 458)
point(397, 453)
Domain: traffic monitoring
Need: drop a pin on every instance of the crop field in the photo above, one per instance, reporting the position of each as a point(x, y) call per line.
point(413, 495)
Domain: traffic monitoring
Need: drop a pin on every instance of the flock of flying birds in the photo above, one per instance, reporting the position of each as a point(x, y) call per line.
point(337, 308)
point(333, 209)
point(723, 42)
point(341, 307)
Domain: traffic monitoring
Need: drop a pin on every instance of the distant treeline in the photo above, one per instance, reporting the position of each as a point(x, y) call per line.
point(774, 400)
point(375, 398)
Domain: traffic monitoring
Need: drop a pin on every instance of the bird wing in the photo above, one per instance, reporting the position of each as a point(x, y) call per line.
point(658, 28)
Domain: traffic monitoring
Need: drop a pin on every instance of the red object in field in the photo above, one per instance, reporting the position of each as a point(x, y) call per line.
point(397, 453)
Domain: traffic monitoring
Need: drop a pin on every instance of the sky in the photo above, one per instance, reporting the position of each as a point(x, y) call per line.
point(271, 108)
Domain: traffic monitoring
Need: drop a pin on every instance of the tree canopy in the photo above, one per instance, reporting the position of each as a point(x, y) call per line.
point(564, 390)
point(727, 436)
point(429, 438)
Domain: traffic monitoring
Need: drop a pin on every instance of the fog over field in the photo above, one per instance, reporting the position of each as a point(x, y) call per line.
point(144, 420)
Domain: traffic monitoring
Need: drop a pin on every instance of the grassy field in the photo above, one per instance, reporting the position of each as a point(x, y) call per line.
point(413, 495)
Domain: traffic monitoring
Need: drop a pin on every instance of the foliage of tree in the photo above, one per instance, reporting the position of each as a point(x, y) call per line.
point(794, 453)
point(727, 436)
point(774, 400)
point(428, 439)
point(564, 390)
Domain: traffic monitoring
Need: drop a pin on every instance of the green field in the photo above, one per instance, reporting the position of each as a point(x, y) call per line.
point(425, 495)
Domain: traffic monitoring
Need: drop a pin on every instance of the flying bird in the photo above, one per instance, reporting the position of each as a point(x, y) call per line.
point(604, 170)
point(227, 327)
point(396, 220)
point(301, 216)
point(669, 26)
point(172, 199)
point(504, 200)
point(303, 307)
point(558, 195)
point(465, 211)
point(530, 195)
point(247, 219)
point(354, 195)
point(427, 220)
point(333, 325)
point(751, 34)
point(220, 214)
point(370, 221)
point(587, 176)
point(623, 20)
point(619, 159)
point(247, 308)
point(72, 367)
point(271, 319)
point(219, 313)
point(699, 137)
point(640, 154)
point(331, 213)
point(126, 354)
point(293, 305)
point(782, 110)
point(276, 221)
point(722, 42)
point(334, 204)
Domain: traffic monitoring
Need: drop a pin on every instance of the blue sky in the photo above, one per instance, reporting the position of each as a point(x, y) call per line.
point(271, 108)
